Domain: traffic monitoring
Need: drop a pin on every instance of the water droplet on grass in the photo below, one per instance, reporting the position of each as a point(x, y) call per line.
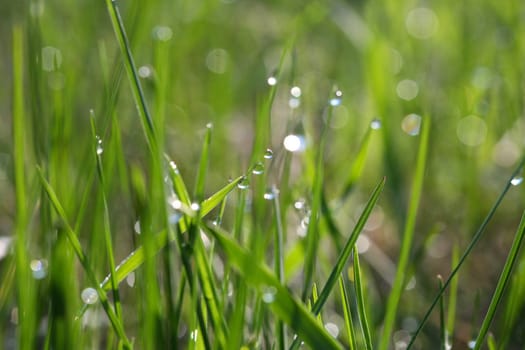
point(294, 143)
point(268, 154)
point(337, 99)
point(516, 180)
point(258, 169)
point(294, 102)
point(472, 344)
point(38, 268)
point(271, 193)
point(89, 296)
point(332, 329)
point(299, 204)
point(375, 124)
point(411, 124)
point(130, 279)
point(195, 206)
point(100, 148)
point(136, 227)
point(145, 72)
point(272, 81)
point(295, 92)
point(268, 295)
point(244, 184)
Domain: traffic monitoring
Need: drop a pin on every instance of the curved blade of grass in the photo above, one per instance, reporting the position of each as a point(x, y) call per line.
point(408, 234)
point(502, 283)
point(361, 309)
point(77, 248)
point(345, 253)
point(347, 314)
point(136, 258)
point(469, 249)
point(357, 166)
point(284, 305)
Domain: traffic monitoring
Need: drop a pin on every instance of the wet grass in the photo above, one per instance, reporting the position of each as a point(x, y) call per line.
point(154, 198)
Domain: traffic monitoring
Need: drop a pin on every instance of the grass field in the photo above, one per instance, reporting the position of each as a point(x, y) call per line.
point(243, 174)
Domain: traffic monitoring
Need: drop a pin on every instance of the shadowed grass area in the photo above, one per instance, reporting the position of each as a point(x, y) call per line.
point(198, 174)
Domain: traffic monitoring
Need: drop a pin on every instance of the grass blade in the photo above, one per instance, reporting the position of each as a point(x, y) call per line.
point(361, 309)
point(77, 248)
point(469, 249)
point(408, 234)
point(502, 283)
point(345, 300)
point(282, 303)
point(442, 326)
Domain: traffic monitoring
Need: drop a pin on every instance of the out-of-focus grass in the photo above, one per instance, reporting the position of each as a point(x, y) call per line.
point(189, 63)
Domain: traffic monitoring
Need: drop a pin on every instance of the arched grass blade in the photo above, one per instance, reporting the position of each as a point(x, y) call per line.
point(136, 258)
point(282, 303)
point(469, 249)
point(502, 283)
point(77, 248)
point(345, 253)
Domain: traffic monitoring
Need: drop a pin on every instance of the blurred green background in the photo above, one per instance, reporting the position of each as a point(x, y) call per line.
point(459, 63)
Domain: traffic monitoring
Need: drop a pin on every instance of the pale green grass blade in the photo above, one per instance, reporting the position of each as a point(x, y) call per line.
point(345, 301)
point(279, 299)
point(26, 303)
point(442, 326)
point(203, 165)
point(407, 237)
point(77, 248)
point(361, 306)
point(502, 283)
point(491, 342)
point(282, 340)
point(136, 258)
point(469, 249)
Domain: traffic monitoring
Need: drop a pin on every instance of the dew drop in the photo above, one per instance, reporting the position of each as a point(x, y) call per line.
point(130, 279)
point(136, 227)
point(195, 206)
point(295, 91)
point(270, 194)
point(294, 102)
point(193, 335)
point(89, 296)
point(299, 204)
point(268, 154)
point(294, 143)
point(145, 72)
point(258, 168)
point(375, 124)
point(38, 268)
point(472, 344)
point(272, 81)
point(244, 184)
point(517, 180)
point(332, 329)
point(100, 148)
point(411, 124)
point(337, 99)
point(268, 295)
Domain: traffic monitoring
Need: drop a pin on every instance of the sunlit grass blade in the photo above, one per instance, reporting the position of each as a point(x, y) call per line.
point(77, 248)
point(407, 237)
point(442, 326)
point(345, 253)
point(345, 301)
point(361, 306)
point(279, 300)
point(468, 250)
point(27, 323)
point(502, 283)
point(136, 258)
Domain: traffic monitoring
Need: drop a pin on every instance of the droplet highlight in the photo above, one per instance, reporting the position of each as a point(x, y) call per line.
point(99, 148)
point(268, 154)
point(337, 99)
point(411, 124)
point(268, 295)
point(294, 143)
point(38, 268)
point(258, 168)
point(272, 81)
point(375, 124)
point(244, 184)
point(89, 296)
point(517, 180)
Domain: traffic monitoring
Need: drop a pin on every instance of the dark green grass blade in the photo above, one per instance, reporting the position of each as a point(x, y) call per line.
point(77, 248)
point(502, 283)
point(345, 253)
point(361, 306)
point(284, 305)
point(469, 249)
point(345, 301)
point(408, 234)
point(453, 295)
point(136, 258)
point(26, 325)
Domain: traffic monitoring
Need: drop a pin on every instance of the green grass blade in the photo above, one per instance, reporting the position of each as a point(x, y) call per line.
point(77, 248)
point(361, 306)
point(136, 258)
point(469, 249)
point(203, 165)
point(442, 326)
point(408, 234)
point(345, 253)
point(453, 295)
point(502, 283)
point(280, 301)
point(27, 322)
point(345, 301)
point(279, 263)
